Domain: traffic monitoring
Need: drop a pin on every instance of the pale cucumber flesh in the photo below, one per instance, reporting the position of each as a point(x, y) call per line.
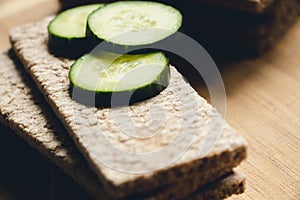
point(72, 23)
point(132, 23)
point(129, 78)
point(67, 32)
point(110, 73)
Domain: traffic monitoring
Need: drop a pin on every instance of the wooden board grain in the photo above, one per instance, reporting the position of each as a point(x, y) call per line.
point(263, 103)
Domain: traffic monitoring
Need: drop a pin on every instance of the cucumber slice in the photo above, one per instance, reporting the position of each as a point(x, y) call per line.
point(113, 80)
point(133, 23)
point(67, 31)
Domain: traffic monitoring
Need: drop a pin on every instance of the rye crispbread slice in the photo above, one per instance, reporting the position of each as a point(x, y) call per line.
point(239, 33)
point(222, 188)
point(225, 186)
point(24, 109)
point(247, 32)
point(26, 112)
point(51, 76)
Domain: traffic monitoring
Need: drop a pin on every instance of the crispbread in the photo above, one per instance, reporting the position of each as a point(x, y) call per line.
point(222, 188)
point(232, 32)
point(27, 113)
point(243, 25)
point(229, 184)
point(51, 76)
point(24, 109)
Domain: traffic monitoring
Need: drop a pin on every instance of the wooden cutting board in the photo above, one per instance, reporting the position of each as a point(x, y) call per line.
point(263, 103)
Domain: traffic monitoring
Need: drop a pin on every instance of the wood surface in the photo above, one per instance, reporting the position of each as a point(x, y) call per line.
point(263, 104)
point(263, 97)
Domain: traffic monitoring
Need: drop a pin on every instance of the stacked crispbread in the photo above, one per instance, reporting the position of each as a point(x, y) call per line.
point(247, 27)
point(76, 147)
point(242, 25)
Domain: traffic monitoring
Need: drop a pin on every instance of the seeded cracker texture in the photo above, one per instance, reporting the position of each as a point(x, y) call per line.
point(44, 132)
point(92, 125)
